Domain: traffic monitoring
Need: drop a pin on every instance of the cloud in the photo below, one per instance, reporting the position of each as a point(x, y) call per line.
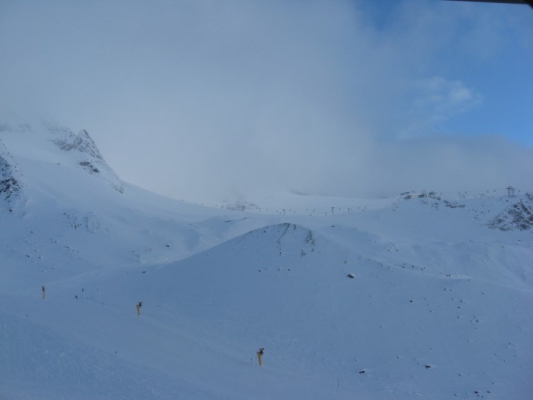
point(209, 99)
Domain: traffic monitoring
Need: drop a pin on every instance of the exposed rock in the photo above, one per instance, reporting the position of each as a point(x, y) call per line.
point(89, 167)
point(10, 177)
point(81, 142)
point(85, 221)
point(518, 216)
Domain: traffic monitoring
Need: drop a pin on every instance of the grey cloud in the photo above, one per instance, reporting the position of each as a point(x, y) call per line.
point(208, 99)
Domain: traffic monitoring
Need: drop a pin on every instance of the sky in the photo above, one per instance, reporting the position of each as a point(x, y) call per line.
point(216, 100)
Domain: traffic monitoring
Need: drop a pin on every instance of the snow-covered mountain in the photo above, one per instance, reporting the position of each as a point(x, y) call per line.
point(423, 298)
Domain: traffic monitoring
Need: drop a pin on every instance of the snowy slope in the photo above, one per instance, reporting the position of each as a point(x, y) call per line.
point(396, 299)
point(73, 203)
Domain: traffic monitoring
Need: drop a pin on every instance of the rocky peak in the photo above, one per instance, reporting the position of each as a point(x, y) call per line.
point(81, 142)
point(91, 160)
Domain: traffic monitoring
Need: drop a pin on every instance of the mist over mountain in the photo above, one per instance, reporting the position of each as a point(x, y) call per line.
point(417, 295)
point(209, 102)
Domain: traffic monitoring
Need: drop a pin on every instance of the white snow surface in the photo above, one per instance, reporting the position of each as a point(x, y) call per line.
point(438, 304)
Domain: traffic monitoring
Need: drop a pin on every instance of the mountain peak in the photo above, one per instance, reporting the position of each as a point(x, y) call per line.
point(91, 159)
point(81, 142)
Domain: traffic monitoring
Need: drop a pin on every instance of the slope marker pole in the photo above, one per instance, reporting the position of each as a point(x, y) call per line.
point(260, 355)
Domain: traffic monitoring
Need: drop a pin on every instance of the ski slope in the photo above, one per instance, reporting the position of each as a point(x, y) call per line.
point(389, 299)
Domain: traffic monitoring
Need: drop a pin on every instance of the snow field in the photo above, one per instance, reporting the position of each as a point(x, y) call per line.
point(439, 305)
